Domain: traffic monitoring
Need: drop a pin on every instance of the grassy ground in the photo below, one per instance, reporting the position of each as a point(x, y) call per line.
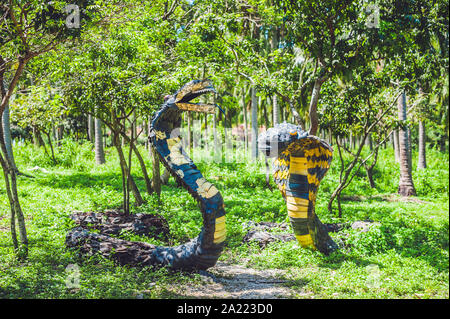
point(404, 255)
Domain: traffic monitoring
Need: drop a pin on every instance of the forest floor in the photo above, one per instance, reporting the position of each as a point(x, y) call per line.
point(237, 282)
point(390, 247)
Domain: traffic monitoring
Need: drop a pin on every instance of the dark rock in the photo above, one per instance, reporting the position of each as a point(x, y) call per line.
point(115, 222)
point(261, 233)
point(123, 251)
point(335, 227)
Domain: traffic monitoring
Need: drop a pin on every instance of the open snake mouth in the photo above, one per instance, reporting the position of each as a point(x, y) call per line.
point(192, 90)
point(189, 96)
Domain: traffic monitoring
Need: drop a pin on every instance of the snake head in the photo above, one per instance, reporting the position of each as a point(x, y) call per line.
point(277, 139)
point(191, 90)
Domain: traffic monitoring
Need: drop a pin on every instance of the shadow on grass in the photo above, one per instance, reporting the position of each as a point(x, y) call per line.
point(87, 180)
point(336, 259)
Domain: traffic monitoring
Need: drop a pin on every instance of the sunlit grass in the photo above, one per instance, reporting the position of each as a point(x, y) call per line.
point(408, 248)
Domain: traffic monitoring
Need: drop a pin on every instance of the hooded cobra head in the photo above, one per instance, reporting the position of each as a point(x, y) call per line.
point(277, 139)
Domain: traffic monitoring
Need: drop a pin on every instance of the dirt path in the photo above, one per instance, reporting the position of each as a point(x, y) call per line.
point(238, 282)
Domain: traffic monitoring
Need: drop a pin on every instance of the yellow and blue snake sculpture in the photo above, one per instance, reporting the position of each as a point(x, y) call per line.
point(204, 251)
point(301, 161)
point(199, 253)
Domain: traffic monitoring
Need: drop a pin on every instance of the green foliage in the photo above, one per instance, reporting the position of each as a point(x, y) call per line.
point(133, 59)
point(40, 108)
point(69, 154)
point(368, 243)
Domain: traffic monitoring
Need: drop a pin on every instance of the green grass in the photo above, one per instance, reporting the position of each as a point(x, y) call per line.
point(408, 248)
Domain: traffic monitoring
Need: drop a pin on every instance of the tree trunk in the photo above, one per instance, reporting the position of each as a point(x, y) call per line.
point(146, 132)
point(7, 166)
point(156, 172)
point(99, 151)
point(369, 139)
point(217, 157)
point(422, 162)
point(254, 120)
point(206, 133)
point(275, 106)
point(13, 197)
point(127, 179)
point(313, 119)
point(104, 132)
point(23, 251)
point(408, 131)
point(266, 117)
point(276, 110)
point(148, 184)
point(165, 177)
point(7, 135)
point(117, 144)
point(369, 173)
point(244, 112)
point(51, 147)
point(351, 141)
point(37, 138)
point(396, 146)
point(91, 128)
point(12, 211)
point(189, 135)
point(345, 176)
point(406, 185)
point(59, 133)
point(134, 123)
point(369, 169)
point(296, 117)
point(442, 140)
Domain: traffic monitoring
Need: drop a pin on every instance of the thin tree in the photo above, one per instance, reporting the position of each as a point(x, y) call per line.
point(254, 121)
point(6, 123)
point(422, 158)
point(406, 185)
point(99, 150)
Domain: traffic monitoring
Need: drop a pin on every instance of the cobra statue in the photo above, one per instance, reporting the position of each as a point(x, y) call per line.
point(201, 252)
point(301, 161)
point(165, 136)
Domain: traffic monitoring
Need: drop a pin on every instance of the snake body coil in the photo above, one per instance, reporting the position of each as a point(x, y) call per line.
point(201, 252)
point(206, 249)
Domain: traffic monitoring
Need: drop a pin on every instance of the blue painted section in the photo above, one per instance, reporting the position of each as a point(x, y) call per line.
point(201, 252)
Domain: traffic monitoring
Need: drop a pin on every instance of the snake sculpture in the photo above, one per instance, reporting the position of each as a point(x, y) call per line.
point(199, 253)
point(301, 161)
point(165, 136)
